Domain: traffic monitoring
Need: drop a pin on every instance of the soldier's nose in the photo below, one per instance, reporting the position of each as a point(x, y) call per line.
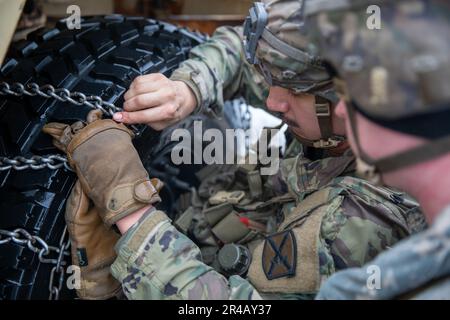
point(277, 105)
point(277, 100)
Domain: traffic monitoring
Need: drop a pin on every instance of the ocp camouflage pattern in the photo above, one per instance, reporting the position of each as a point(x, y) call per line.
point(416, 268)
point(217, 70)
point(162, 263)
point(382, 76)
point(168, 265)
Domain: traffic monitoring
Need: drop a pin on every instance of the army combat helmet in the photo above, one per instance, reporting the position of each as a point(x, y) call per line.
point(273, 43)
point(391, 60)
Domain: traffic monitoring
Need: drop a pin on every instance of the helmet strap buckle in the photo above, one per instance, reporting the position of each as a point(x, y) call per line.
point(326, 144)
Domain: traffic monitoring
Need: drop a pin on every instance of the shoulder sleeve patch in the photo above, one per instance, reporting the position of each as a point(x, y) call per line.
point(279, 258)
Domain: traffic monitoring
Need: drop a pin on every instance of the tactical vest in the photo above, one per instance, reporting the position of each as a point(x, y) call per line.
point(284, 243)
point(297, 241)
point(231, 208)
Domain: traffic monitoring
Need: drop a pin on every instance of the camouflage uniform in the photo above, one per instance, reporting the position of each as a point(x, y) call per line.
point(397, 77)
point(354, 222)
point(217, 71)
point(333, 221)
point(416, 268)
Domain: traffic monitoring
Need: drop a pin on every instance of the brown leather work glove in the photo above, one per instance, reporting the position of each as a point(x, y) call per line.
point(92, 247)
point(107, 165)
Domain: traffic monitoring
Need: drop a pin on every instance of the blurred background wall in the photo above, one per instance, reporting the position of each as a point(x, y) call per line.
point(57, 8)
point(201, 15)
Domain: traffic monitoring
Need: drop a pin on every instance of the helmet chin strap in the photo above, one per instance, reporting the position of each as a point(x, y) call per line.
point(328, 139)
point(372, 170)
point(365, 166)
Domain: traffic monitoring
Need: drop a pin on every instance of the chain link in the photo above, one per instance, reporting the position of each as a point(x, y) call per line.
point(36, 244)
point(58, 270)
point(21, 236)
point(61, 94)
point(20, 163)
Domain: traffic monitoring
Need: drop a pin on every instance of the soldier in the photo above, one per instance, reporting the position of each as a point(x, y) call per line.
point(332, 221)
point(396, 87)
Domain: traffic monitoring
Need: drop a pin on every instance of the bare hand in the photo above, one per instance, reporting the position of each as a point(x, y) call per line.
point(157, 101)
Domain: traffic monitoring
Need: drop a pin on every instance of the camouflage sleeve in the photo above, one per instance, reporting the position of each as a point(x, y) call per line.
point(416, 267)
point(155, 261)
point(217, 70)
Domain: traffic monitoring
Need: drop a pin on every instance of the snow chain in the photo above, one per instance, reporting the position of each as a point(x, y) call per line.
point(32, 89)
point(19, 163)
point(38, 245)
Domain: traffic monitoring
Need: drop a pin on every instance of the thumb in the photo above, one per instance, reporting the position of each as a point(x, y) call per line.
point(54, 129)
point(61, 133)
point(94, 115)
point(129, 117)
point(158, 184)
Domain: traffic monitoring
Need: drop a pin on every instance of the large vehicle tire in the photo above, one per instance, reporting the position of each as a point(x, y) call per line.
point(102, 58)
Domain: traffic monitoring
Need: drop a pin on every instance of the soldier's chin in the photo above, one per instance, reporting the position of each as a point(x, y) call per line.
point(300, 135)
point(292, 124)
point(296, 130)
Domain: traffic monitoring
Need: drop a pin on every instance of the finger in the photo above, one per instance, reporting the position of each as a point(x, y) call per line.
point(141, 89)
point(145, 84)
point(148, 116)
point(54, 129)
point(118, 116)
point(148, 100)
point(94, 115)
point(158, 184)
point(75, 128)
point(59, 145)
point(160, 125)
point(60, 132)
point(146, 78)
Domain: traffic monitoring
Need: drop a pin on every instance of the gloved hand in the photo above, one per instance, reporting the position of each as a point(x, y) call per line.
point(92, 247)
point(107, 165)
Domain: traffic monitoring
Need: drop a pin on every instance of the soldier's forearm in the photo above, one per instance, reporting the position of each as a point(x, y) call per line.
point(214, 69)
point(126, 223)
